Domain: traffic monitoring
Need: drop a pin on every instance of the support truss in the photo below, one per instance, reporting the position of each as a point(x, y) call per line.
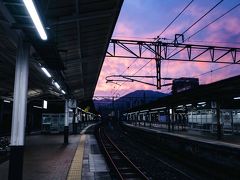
point(173, 51)
point(170, 51)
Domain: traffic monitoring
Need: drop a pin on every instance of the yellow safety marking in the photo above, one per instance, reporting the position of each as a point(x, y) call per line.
point(75, 170)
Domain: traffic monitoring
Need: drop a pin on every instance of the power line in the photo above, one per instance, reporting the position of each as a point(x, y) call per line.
point(174, 19)
point(213, 70)
point(219, 42)
point(196, 22)
point(216, 42)
point(202, 17)
point(213, 21)
point(199, 19)
point(157, 39)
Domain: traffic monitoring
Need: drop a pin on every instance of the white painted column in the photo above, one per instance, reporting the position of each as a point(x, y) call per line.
point(19, 111)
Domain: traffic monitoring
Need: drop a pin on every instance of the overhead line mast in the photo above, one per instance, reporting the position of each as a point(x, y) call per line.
point(192, 52)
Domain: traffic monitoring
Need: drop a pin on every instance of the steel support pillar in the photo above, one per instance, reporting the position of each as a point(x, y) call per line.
point(219, 128)
point(158, 70)
point(173, 118)
point(19, 111)
point(150, 120)
point(135, 119)
point(169, 112)
point(158, 65)
point(1, 111)
point(139, 120)
point(74, 121)
point(231, 116)
point(66, 127)
point(80, 121)
point(144, 122)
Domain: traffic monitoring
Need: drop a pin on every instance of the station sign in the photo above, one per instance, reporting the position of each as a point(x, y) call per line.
point(72, 103)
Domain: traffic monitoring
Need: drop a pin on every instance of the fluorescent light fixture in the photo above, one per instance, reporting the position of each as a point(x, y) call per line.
point(158, 108)
point(56, 85)
point(63, 91)
point(170, 111)
point(144, 111)
point(236, 98)
point(133, 112)
point(188, 105)
point(35, 18)
point(179, 109)
point(46, 72)
point(70, 110)
point(44, 104)
point(6, 101)
point(39, 107)
point(180, 106)
point(202, 103)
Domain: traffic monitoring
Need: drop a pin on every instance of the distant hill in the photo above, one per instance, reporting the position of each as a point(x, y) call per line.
point(130, 100)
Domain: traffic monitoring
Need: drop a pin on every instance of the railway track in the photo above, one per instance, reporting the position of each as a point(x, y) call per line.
point(156, 165)
point(122, 165)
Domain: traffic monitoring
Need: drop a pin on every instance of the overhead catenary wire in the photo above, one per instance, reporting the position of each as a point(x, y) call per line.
point(174, 19)
point(212, 70)
point(213, 21)
point(157, 39)
point(210, 10)
point(188, 38)
point(234, 7)
point(198, 20)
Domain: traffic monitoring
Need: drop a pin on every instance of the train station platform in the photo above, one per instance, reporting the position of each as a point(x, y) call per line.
point(47, 158)
point(198, 135)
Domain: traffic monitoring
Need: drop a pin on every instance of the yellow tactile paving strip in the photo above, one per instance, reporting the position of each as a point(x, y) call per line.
point(75, 170)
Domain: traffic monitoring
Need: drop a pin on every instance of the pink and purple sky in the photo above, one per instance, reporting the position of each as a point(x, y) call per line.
point(146, 19)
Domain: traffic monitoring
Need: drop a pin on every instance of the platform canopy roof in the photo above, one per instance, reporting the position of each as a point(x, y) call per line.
point(223, 92)
point(78, 32)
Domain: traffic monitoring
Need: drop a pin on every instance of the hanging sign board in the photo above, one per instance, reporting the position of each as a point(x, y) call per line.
point(72, 103)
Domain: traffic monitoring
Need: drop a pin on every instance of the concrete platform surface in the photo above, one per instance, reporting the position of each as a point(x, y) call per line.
point(45, 158)
point(94, 165)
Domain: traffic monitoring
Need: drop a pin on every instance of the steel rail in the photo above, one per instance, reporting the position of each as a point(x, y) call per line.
point(104, 139)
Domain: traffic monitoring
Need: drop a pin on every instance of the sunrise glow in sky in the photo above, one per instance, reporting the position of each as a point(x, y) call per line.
point(146, 19)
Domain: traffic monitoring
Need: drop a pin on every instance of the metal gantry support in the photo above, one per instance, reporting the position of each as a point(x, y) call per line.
point(175, 51)
point(66, 122)
point(158, 59)
point(19, 111)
